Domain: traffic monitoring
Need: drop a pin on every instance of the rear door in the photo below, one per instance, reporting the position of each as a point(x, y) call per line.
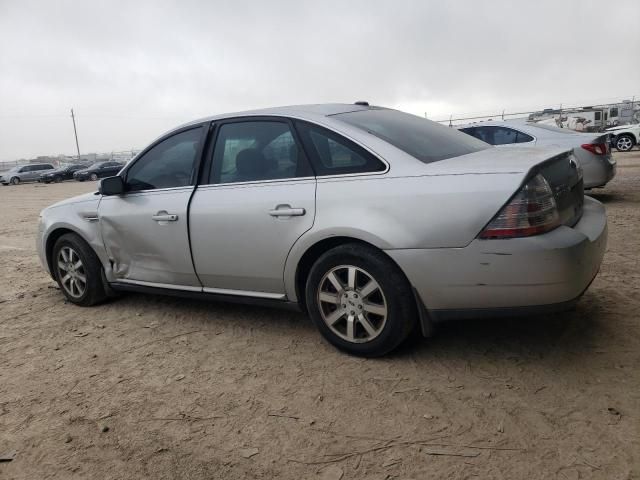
point(145, 230)
point(256, 199)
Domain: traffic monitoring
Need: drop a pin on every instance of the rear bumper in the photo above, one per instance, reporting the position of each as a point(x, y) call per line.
point(598, 170)
point(517, 276)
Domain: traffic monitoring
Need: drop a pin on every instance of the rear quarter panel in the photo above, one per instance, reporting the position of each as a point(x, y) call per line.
point(428, 211)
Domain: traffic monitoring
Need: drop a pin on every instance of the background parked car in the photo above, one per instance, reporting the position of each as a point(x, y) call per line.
point(24, 173)
point(625, 137)
point(60, 174)
point(98, 170)
point(590, 149)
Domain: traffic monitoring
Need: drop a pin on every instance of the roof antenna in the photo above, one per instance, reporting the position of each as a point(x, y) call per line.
point(362, 102)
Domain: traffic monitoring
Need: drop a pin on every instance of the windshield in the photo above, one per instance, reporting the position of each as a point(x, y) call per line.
point(425, 140)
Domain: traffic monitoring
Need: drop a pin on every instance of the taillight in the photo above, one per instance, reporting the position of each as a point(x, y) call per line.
point(531, 211)
point(596, 148)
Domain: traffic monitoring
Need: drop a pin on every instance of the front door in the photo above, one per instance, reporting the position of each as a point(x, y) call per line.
point(145, 230)
point(258, 199)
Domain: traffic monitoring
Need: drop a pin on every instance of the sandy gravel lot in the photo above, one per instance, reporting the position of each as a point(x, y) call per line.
point(153, 387)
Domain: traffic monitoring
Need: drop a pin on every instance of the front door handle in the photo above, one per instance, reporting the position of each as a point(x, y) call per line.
point(164, 216)
point(287, 211)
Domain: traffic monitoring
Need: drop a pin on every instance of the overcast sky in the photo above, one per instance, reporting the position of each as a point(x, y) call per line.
point(134, 69)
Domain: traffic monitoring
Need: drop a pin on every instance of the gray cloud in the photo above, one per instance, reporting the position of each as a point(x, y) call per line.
point(134, 69)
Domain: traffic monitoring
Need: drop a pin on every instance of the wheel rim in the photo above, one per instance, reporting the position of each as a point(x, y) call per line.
point(15, 180)
point(71, 272)
point(94, 176)
point(352, 304)
point(624, 143)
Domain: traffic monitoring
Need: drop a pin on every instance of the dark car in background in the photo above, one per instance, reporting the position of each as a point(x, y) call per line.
point(62, 173)
point(98, 170)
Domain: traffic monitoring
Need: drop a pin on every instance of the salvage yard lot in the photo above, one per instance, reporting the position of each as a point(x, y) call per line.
point(156, 387)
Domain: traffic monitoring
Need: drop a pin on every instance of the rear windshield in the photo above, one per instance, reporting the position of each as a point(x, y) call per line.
point(425, 140)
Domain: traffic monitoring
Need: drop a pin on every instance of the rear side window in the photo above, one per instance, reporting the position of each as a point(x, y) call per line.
point(332, 154)
point(256, 151)
point(423, 139)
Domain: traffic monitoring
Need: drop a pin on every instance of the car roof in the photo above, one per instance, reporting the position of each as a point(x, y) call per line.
point(309, 112)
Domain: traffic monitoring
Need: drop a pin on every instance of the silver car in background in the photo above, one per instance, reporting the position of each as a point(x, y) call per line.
point(25, 173)
point(375, 222)
point(592, 150)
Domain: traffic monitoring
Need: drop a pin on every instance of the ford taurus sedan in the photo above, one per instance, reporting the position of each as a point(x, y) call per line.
point(590, 149)
point(375, 222)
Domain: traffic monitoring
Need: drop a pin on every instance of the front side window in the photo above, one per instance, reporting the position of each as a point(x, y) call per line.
point(256, 151)
point(421, 138)
point(168, 164)
point(332, 154)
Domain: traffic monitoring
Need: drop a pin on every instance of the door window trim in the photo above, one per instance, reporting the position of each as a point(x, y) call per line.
point(194, 174)
point(207, 166)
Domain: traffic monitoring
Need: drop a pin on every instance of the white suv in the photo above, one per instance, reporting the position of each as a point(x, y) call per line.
point(625, 137)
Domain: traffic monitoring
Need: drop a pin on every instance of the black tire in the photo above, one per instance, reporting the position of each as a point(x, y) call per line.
point(95, 291)
point(401, 316)
point(94, 176)
point(624, 142)
point(57, 179)
point(14, 181)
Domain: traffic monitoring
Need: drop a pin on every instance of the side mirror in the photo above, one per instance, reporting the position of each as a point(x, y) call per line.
point(112, 186)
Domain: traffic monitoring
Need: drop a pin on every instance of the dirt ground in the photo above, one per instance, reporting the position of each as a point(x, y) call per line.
point(154, 387)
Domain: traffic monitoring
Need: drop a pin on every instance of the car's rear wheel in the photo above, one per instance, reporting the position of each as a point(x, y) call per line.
point(360, 300)
point(15, 181)
point(78, 271)
point(94, 176)
point(624, 143)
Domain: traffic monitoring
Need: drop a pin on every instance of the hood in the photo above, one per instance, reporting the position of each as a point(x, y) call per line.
point(623, 127)
point(85, 197)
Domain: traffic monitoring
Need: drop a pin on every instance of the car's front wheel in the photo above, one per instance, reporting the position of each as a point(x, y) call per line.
point(360, 300)
point(15, 181)
point(94, 176)
point(57, 179)
point(624, 143)
point(78, 271)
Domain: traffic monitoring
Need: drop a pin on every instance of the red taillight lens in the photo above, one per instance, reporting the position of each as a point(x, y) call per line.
point(531, 211)
point(596, 148)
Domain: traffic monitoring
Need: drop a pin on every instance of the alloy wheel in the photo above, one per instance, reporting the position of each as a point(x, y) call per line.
point(94, 177)
point(71, 271)
point(624, 144)
point(352, 304)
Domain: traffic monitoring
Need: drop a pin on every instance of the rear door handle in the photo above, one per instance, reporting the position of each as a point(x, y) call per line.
point(287, 211)
point(164, 216)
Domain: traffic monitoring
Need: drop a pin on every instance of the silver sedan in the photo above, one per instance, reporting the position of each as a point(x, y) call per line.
point(590, 149)
point(375, 222)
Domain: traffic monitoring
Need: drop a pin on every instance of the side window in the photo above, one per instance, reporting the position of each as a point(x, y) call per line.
point(523, 138)
point(474, 132)
point(332, 154)
point(257, 150)
point(168, 164)
point(503, 136)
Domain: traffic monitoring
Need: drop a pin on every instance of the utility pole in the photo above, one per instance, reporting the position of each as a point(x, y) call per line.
point(75, 132)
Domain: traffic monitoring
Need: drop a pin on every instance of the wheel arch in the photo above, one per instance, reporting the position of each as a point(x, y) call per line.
point(314, 251)
point(52, 238)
